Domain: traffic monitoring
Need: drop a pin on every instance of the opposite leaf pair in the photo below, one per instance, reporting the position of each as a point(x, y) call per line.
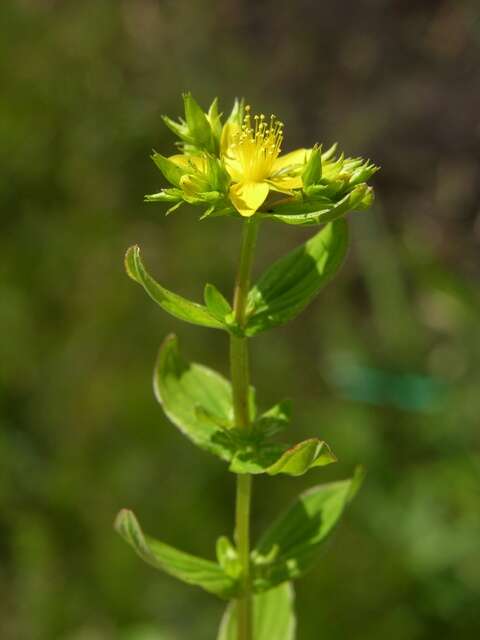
point(285, 552)
point(280, 294)
point(198, 401)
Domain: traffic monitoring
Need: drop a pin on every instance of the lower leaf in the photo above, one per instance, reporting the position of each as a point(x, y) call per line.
point(273, 616)
point(190, 569)
point(296, 537)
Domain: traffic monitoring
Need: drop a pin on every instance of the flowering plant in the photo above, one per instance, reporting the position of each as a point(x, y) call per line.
point(235, 168)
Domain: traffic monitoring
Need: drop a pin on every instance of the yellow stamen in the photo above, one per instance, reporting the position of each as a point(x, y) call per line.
point(257, 145)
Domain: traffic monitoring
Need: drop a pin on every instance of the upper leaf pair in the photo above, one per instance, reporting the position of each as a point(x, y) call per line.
point(280, 294)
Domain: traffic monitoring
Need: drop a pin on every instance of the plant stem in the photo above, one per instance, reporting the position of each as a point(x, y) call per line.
point(242, 535)
point(240, 389)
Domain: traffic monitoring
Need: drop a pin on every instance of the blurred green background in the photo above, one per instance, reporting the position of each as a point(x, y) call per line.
point(385, 365)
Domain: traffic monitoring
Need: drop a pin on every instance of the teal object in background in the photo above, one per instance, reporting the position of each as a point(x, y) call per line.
point(406, 391)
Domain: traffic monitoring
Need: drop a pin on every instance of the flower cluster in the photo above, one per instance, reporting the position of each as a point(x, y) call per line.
point(236, 168)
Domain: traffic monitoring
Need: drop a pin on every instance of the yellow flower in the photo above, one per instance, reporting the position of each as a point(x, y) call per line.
point(251, 154)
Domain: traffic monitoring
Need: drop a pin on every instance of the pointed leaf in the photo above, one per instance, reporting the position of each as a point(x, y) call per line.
point(273, 616)
point(298, 534)
point(174, 304)
point(275, 419)
point(196, 399)
point(227, 557)
point(190, 569)
point(279, 458)
point(287, 287)
point(303, 456)
point(217, 304)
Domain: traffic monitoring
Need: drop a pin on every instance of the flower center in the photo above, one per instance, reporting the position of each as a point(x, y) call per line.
point(257, 145)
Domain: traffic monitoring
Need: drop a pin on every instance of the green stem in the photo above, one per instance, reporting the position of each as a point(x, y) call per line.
point(240, 388)
point(242, 535)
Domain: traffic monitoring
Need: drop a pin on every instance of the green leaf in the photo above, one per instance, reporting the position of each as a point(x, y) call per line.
point(275, 419)
point(287, 287)
point(190, 569)
point(297, 535)
point(174, 304)
point(227, 557)
point(217, 304)
point(273, 616)
point(279, 458)
point(196, 399)
point(301, 457)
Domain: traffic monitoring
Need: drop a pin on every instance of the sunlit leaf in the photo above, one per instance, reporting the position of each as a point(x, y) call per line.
point(276, 419)
point(279, 458)
point(217, 305)
point(174, 304)
point(297, 536)
point(287, 287)
point(195, 398)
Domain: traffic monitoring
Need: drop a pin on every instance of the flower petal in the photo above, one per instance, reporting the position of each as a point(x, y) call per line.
point(286, 184)
point(229, 131)
point(294, 159)
point(234, 168)
point(247, 197)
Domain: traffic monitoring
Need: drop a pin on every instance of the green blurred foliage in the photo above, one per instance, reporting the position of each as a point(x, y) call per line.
point(384, 365)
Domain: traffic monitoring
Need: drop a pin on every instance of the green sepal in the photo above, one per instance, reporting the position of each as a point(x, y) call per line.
point(165, 195)
point(313, 168)
point(172, 303)
point(315, 211)
point(170, 170)
point(197, 122)
point(273, 616)
point(180, 129)
point(237, 112)
point(215, 120)
point(190, 569)
point(196, 399)
point(287, 287)
point(273, 458)
point(296, 537)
